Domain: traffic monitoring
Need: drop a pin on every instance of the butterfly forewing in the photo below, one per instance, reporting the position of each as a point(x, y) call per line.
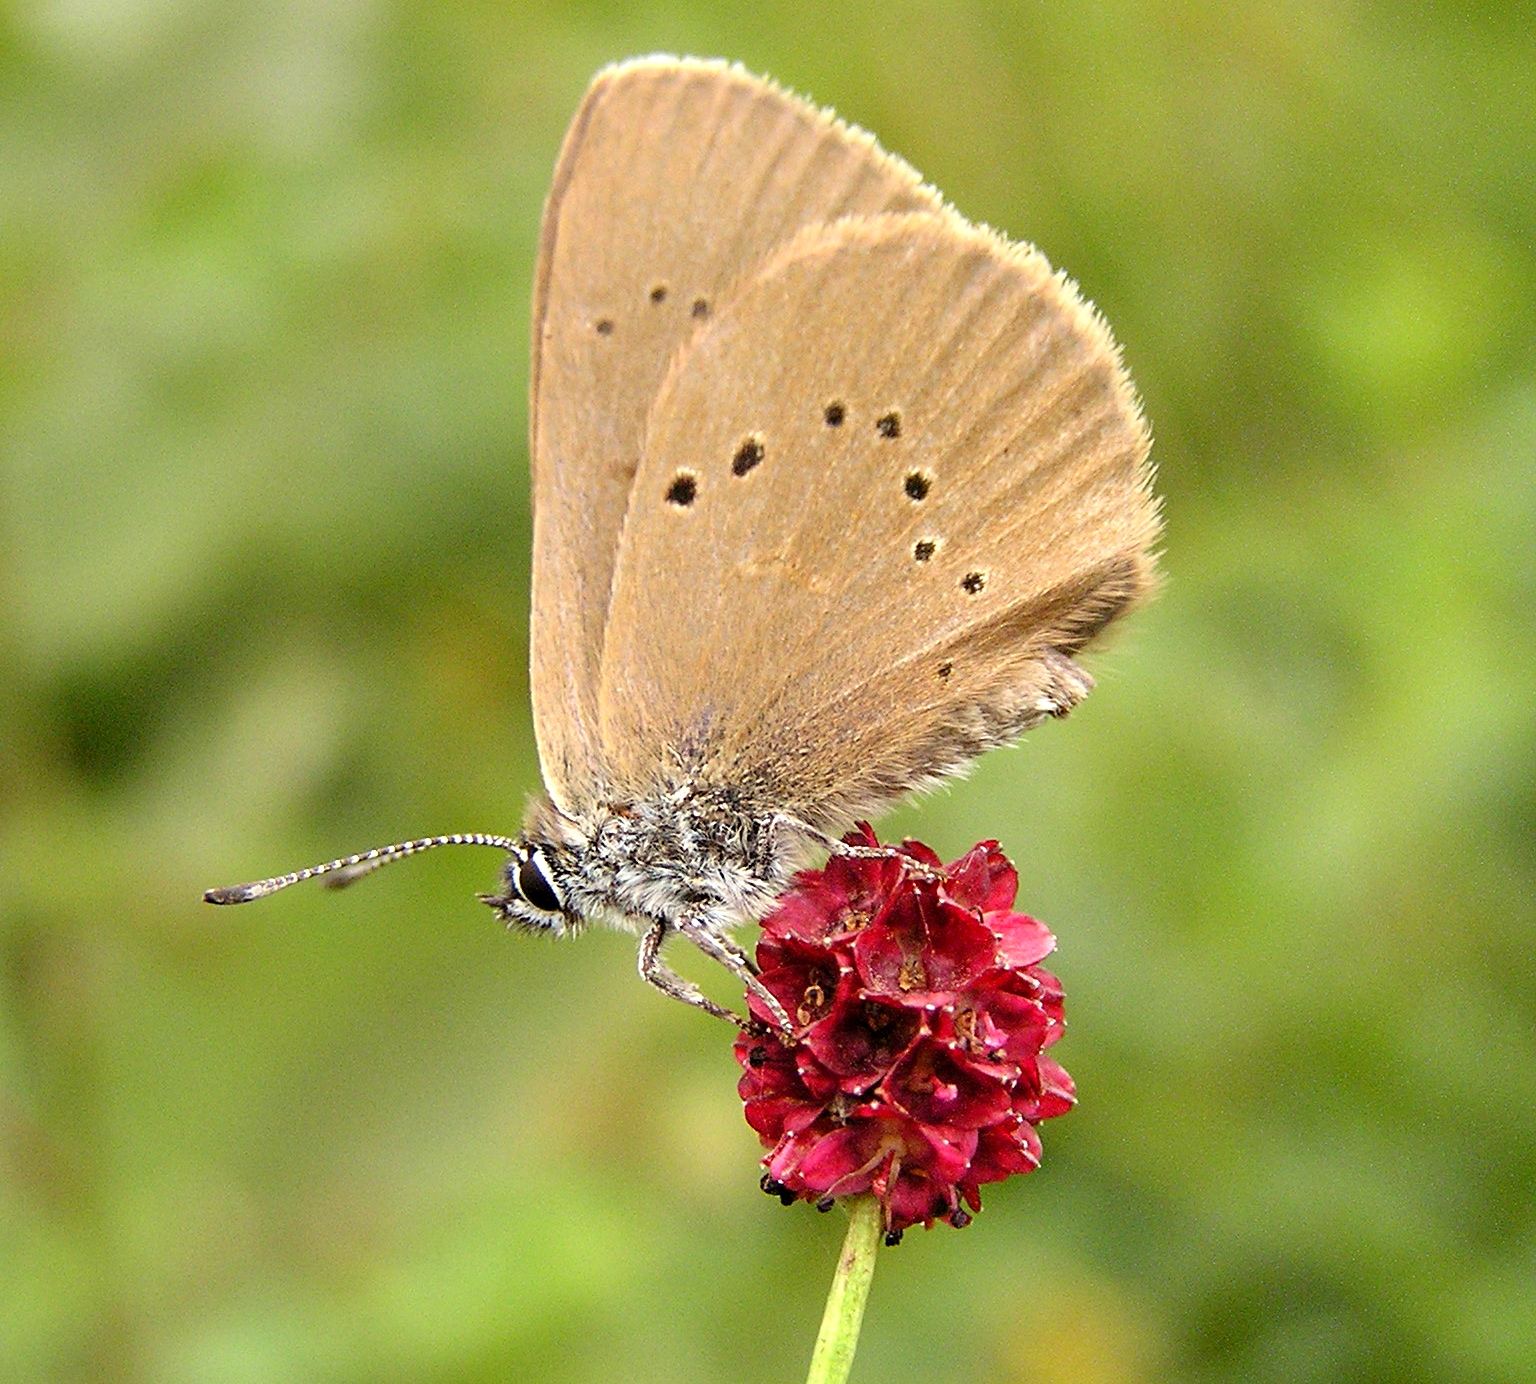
point(676, 179)
point(886, 491)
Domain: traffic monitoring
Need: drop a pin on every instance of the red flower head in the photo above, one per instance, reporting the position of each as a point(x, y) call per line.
point(917, 1069)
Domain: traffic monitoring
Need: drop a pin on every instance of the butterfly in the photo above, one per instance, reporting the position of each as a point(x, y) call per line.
point(830, 488)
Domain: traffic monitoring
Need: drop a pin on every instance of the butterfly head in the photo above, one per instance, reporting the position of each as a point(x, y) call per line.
point(535, 897)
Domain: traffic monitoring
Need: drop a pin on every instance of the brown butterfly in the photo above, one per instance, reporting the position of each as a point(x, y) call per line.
point(830, 487)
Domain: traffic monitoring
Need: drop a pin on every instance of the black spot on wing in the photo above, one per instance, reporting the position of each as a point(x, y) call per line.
point(748, 456)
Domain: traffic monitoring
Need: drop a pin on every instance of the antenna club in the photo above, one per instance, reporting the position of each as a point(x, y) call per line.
point(237, 894)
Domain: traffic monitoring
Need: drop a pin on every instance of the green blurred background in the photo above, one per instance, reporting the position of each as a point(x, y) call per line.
point(264, 279)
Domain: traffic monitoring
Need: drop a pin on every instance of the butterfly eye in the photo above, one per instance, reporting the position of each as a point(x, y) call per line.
point(533, 884)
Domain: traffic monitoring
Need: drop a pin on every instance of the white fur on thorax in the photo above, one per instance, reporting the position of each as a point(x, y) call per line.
point(691, 853)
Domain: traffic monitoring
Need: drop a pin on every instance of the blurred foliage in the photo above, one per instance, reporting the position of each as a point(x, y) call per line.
point(264, 276)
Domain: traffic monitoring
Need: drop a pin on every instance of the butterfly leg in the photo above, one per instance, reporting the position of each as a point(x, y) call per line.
point(737, 962)
point(655, 971)
point(783, 822)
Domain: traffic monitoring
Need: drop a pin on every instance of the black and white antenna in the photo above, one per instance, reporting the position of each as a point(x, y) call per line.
point(353, 867)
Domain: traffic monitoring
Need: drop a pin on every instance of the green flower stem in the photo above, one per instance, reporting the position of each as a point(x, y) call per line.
point(839, 1338)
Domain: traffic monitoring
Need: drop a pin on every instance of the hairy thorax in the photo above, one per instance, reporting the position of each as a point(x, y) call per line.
point(695, 853)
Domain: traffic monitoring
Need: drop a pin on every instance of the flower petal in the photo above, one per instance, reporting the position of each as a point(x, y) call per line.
point(1022, 940)
point(984, 879)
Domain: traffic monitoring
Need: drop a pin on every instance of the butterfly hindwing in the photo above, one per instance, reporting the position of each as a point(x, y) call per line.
point(886, 493)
